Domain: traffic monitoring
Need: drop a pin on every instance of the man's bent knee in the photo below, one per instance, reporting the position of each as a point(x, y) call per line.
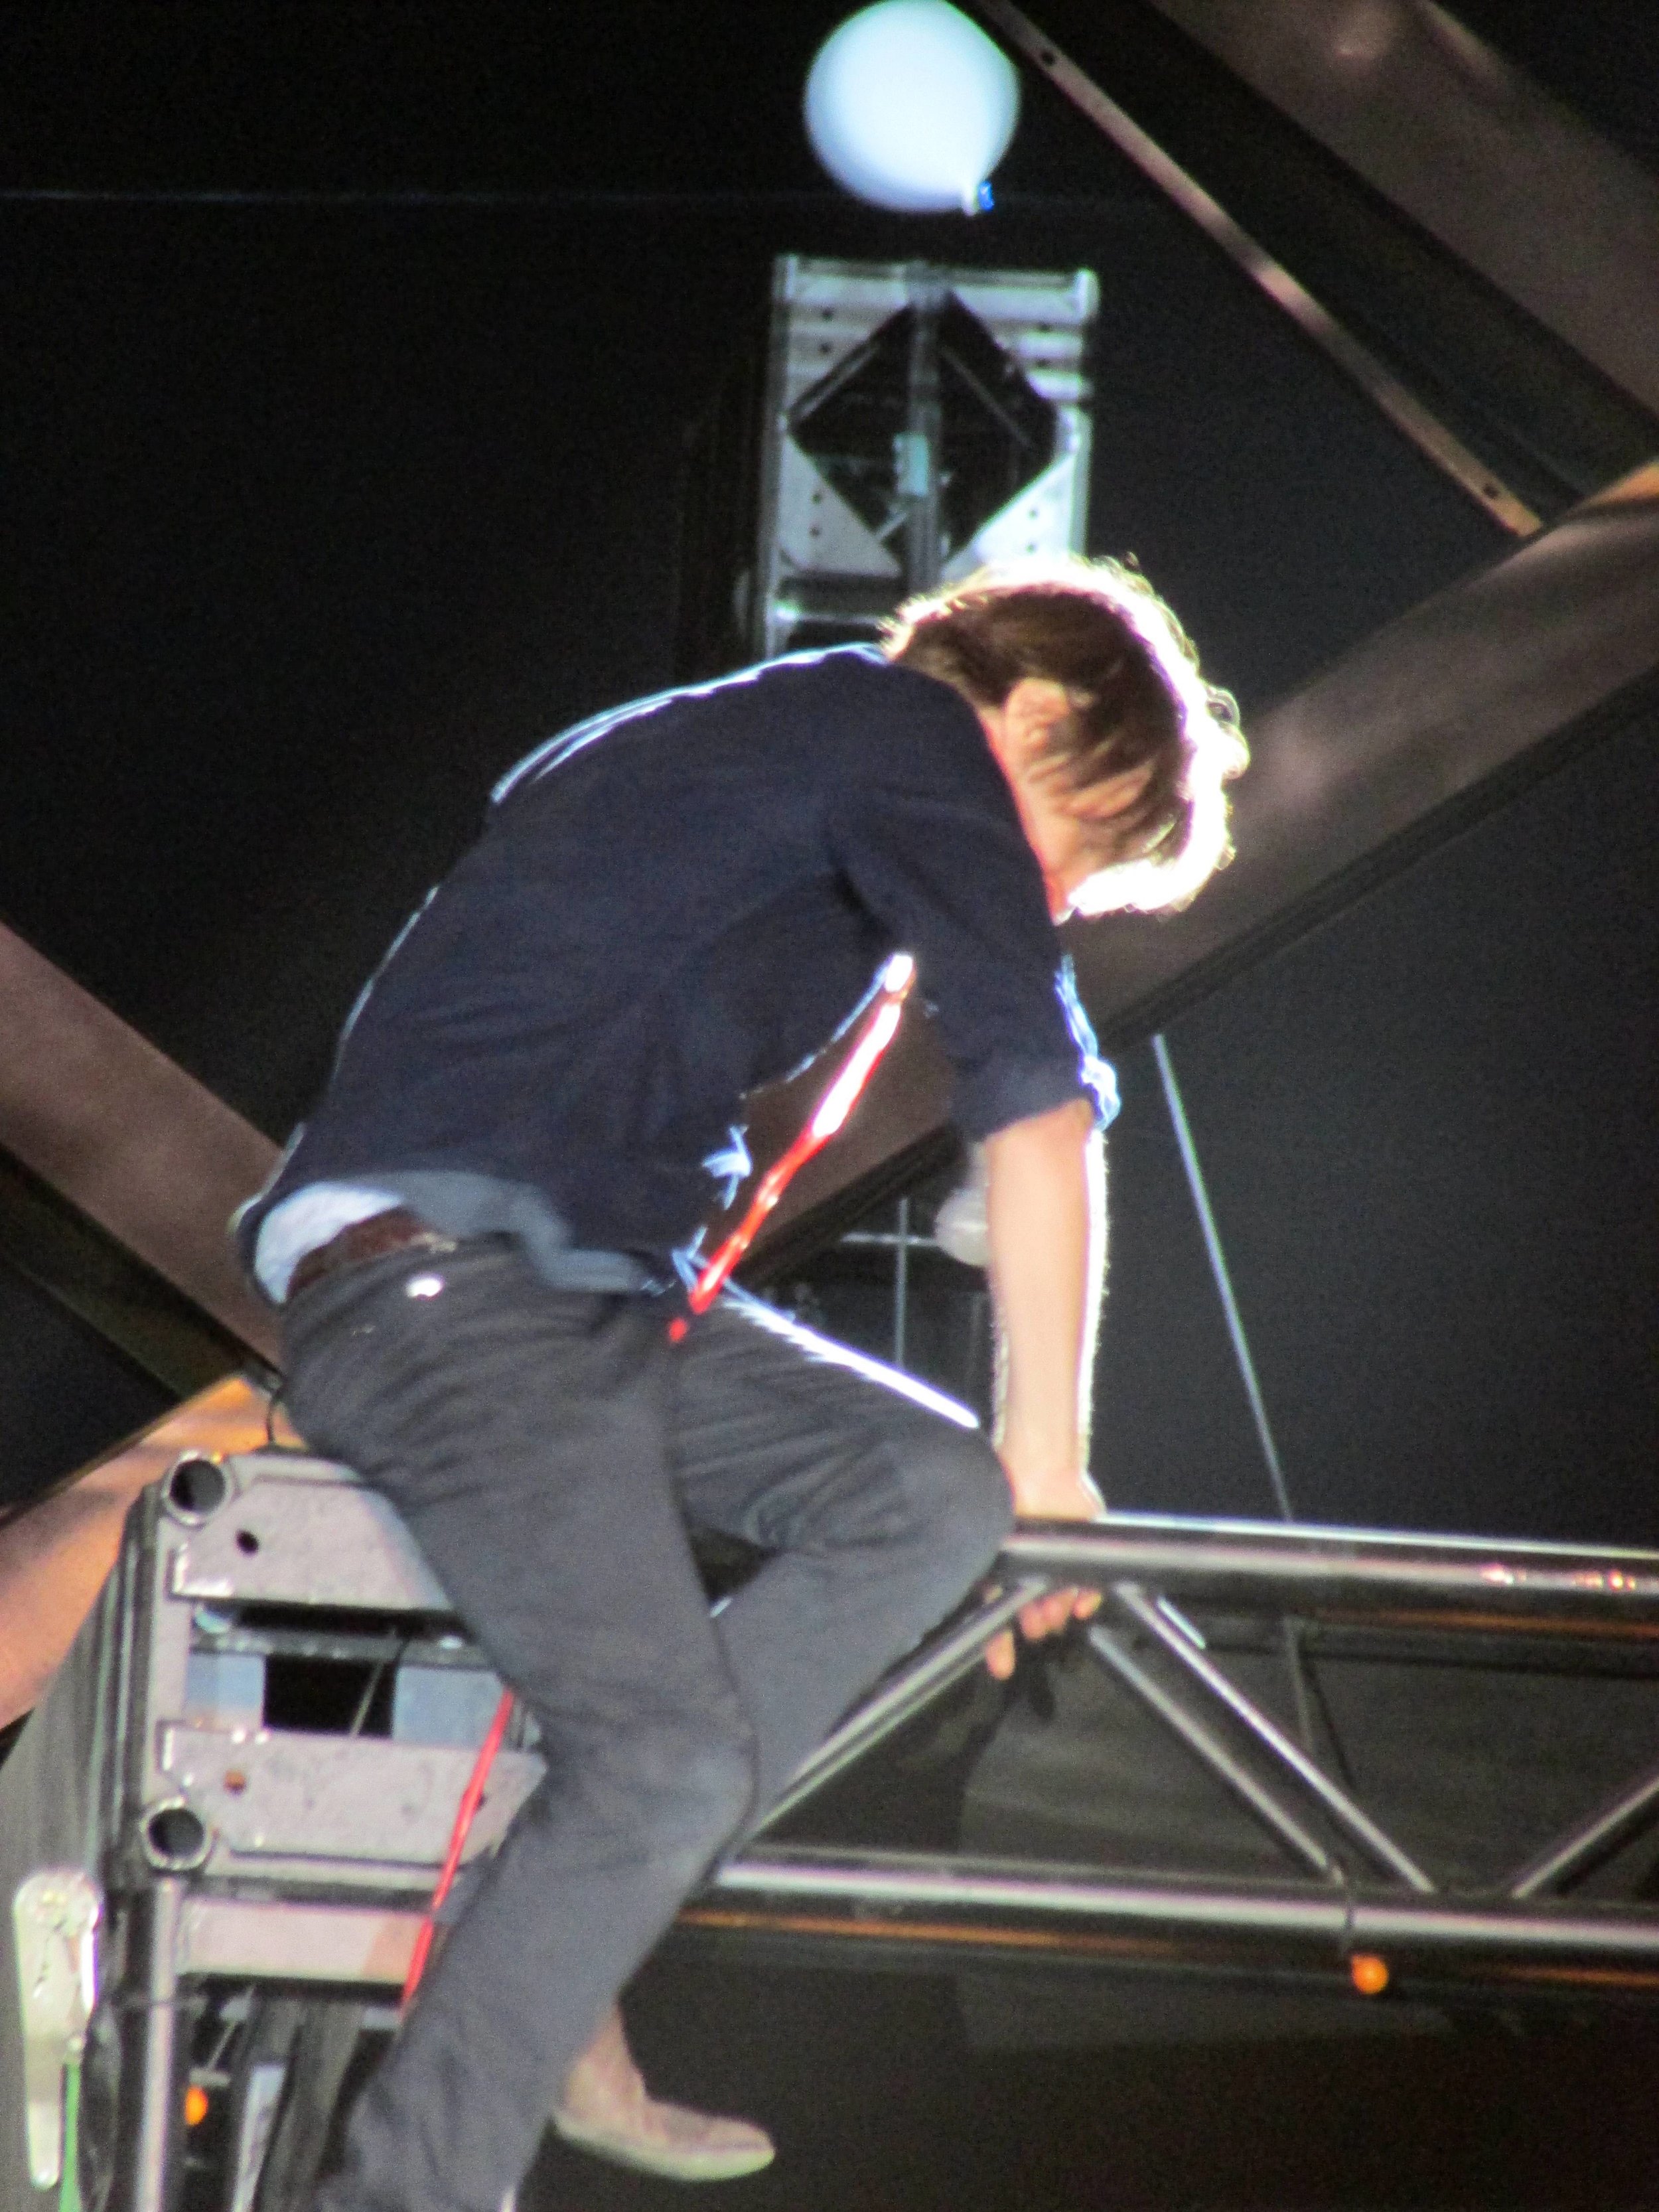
point(954, 1479)
point(716, 1798)
point(956, 1493)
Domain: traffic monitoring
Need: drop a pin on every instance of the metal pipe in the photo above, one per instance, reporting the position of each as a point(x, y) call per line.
point(920, 456)
point(998, 1903)
point(1263, 1568)
point(901, 1283)
point(1199, 1193)
point(898, 1879)
point(1207, 1747)
point(933, 1670)
point(1623, 1561)
point(1579, 1849)
point(158, 2102)
point(1351, 1819)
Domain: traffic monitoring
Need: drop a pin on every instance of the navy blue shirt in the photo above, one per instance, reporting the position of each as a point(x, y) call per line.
point(680, 901)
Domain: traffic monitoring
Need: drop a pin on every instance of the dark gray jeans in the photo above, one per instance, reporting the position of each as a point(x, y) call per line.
point(547, 1449)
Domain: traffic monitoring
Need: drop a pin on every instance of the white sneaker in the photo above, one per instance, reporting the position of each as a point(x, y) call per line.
point(673, 2143)
point(607, 2110)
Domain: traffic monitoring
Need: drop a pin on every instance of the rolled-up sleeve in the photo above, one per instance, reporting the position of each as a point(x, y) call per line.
point(928, 839)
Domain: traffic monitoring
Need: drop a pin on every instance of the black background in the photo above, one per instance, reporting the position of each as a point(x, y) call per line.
point(345, 358)
point(330, 492)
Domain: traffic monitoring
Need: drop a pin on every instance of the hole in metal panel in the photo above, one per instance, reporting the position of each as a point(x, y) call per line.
point(194, 1487)
point(175, 1839)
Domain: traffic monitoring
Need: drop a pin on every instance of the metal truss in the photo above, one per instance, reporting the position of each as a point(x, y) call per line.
point(258, 1886)
point(1356, 1906)
point(1179, 1599)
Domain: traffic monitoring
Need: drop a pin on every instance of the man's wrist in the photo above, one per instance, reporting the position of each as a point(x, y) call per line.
point(1054, 1493)
point(1040, 1451)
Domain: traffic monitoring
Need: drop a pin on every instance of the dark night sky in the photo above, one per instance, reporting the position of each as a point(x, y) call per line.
point(326, 495)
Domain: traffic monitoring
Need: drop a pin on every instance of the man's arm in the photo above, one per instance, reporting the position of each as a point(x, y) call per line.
point(1045, 1215)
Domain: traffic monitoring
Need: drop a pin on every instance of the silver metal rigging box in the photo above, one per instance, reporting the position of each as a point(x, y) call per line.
point(902, 425)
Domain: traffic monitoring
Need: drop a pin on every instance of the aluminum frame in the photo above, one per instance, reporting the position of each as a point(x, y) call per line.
point(814, 557)
point(211, 1793)
point(342, 1915)
point(1362, 1890)
point(1348, 1880)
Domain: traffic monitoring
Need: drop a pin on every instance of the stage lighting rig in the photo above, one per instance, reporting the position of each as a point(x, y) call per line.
point(903, 424)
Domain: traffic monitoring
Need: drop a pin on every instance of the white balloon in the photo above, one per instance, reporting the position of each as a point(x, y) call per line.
point(911, 106)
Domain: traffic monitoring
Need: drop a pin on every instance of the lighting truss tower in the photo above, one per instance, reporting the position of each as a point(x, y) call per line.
point(904, 424)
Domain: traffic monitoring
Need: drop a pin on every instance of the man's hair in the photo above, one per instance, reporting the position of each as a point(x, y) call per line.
point(1138, 700)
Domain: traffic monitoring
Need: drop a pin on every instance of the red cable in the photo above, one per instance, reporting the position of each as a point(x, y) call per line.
point(471, 1798)
point(833, 1108)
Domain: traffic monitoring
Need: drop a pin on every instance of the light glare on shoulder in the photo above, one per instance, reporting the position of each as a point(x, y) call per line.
point(910, 106)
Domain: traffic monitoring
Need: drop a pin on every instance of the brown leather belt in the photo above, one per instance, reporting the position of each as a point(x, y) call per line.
point(396, 1230)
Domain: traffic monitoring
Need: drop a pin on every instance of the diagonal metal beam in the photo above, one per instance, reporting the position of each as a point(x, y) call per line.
point(86, 1270)
point(1381, 385)
point(1460, 140)
point(134, 1143)
point(1208, 1747)
point(1574, 1854)
point(904, 1694)
point(1333, 1800)
point(1403, 740)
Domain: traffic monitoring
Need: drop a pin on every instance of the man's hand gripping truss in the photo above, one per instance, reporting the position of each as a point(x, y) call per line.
point(1045, 1214)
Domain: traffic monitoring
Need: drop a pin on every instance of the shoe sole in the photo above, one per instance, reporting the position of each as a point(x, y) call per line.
point(662, 2159)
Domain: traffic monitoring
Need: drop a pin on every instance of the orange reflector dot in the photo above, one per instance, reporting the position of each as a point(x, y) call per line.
point(1369, 1973)
point(196, 2104)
